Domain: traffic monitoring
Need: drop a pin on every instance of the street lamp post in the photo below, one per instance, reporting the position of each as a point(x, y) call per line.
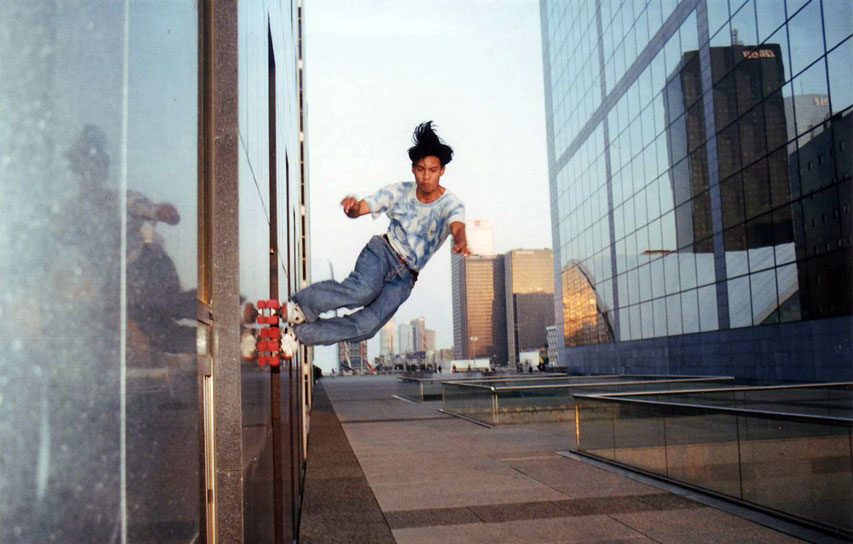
point(473, 340)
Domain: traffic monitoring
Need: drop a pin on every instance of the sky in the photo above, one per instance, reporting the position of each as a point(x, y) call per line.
point(374, 70)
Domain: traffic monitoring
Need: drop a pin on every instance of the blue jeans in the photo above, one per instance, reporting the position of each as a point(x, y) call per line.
point(379, 284)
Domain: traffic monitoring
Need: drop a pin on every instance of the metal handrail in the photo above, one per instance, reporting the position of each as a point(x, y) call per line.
point(598, 384)
point(738, 388)
point(627, 398)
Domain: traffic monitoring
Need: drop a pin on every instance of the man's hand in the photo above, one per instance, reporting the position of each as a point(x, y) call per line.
point(460, 241)
point(167, 213)
point(461, 247)
point(353, 207)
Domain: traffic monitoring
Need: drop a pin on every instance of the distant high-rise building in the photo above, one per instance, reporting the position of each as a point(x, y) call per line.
point(386, 340)
point(405, 339)
point(429, 340)
point(529, 291)
point(481, 236)
point(418, 327)
point(479, 307)
point(354, 355)
point(812, 110)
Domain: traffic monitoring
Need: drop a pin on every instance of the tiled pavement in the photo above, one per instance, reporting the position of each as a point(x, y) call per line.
point(405, 472)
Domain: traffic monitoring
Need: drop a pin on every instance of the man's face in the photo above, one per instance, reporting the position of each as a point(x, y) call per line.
point(428, 172)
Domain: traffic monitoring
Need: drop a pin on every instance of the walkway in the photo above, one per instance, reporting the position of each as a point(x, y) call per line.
point(424, 477)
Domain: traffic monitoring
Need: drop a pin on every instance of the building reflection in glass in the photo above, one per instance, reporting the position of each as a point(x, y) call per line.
point(585, 319)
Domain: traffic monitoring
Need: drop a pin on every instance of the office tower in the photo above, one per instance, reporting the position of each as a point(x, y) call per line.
point(354, 355)
point(405, 339)
point(386, 340)
point(480, 234)
point(700, 178)
point(479, 307)
point(529, 291)
point(429, 340)
point(418, 327)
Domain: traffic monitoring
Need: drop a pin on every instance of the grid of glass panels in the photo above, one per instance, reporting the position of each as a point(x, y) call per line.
point(781, 107)
point(627, 29)
point(783, 132)
point(662, 214)
point(574, 68)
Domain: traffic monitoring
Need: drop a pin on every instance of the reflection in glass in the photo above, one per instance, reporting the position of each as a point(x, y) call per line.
point(802, 30)
point(690, 311)
point(740, 308)
point(673, 314)
point(764, 301)
point(837, 15)
point(770, 15)
point(586, 318)
point(708, 308)
point(98, 375)
point(839, 64)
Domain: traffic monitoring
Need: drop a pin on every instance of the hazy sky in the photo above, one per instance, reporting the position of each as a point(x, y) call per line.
point(375, 69)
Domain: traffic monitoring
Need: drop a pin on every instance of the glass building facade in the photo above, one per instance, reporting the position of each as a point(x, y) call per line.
point(700, 175)
point(152, 157)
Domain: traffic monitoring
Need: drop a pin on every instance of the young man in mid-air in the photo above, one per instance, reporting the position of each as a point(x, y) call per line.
point(422, 215)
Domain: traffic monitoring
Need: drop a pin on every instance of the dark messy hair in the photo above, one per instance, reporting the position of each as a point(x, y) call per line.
point(428, 144)
point(90, 146)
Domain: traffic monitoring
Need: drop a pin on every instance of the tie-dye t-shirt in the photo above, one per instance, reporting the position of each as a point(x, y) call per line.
point(417, 230)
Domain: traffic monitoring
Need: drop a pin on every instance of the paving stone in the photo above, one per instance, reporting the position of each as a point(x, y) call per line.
point(431, 517)
point(494, 513)
point(540, 531)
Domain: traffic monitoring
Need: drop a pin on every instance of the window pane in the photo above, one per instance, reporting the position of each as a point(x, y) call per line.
point(659, 307)
point(764, 301)
point(673, 314)
point(837, 17)
point(740, 306)
point(802, 30)
point(690, 311)
point(840, 63)
point(708, 308)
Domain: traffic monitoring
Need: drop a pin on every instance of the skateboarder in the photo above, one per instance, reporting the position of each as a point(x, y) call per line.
point(422, 216)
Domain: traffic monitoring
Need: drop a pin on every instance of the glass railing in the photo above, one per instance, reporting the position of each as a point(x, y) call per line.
point(515, 401)
point(782, 449)
point(429, 388)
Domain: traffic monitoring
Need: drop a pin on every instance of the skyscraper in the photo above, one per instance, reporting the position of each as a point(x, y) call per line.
point(429, 340)
point(405, 339)
point(481, 236)
point(529, 291)
point(700, 176)
point(386, 340)
point(479, 307)
point(418, 327)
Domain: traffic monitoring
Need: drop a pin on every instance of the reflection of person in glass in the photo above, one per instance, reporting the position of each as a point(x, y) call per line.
point(155, 300)
point(160, 386)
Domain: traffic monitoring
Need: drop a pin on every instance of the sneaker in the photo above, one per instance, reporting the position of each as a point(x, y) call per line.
point(289, 343)
point(292, 313)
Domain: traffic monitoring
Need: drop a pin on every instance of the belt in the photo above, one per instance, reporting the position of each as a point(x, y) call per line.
point(414, 273)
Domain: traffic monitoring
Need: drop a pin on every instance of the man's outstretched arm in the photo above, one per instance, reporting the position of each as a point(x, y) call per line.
point(355, 208)
point(460, 241)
